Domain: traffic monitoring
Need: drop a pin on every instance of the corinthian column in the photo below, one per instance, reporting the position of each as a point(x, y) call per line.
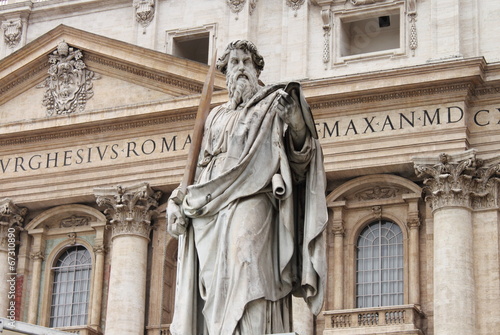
point(455, 185)
point(130, 210)
point(11, 222)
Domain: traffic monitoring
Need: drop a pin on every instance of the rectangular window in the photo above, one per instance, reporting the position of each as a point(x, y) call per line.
point(376, 33)
point(192, 43)
point(369, 32)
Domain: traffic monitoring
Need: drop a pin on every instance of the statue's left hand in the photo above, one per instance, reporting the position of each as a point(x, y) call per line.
point(289, 111)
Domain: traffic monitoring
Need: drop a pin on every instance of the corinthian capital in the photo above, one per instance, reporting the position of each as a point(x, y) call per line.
point(11, 216)
point(130, 209)
point(459, 180)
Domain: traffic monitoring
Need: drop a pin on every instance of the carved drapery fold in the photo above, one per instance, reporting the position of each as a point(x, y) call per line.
point(460, 180)
point(144, 11)
point(12, 31)
point(130, 209)
point(69, 84)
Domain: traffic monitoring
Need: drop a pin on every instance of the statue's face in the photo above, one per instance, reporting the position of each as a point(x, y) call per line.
point(240, 66)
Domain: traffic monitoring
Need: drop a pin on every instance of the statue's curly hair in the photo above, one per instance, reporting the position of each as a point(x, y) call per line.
point(245, 45)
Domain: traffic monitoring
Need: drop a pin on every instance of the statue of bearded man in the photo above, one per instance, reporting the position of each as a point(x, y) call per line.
point(253, 220)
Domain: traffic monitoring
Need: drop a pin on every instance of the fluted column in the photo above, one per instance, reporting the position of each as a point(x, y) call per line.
point(130, 210)
point(11, 223)
point(456, 184)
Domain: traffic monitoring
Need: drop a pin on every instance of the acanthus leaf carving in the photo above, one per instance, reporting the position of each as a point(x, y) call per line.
point(129, 209)
point(463, 180)
point(69, 84)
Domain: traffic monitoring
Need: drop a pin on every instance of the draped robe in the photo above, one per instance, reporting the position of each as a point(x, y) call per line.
point(257, 213)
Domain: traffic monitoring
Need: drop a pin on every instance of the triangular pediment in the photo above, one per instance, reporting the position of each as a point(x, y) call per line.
point(120, 74)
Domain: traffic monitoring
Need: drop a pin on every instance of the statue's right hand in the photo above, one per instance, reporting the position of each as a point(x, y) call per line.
point(176, 221)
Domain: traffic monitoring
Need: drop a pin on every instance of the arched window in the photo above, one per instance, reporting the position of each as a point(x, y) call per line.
point(379, 265)
point(71, 287)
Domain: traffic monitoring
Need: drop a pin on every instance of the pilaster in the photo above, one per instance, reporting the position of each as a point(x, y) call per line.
point(130, 210)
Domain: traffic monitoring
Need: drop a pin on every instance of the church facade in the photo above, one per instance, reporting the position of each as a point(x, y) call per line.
point(97, 106)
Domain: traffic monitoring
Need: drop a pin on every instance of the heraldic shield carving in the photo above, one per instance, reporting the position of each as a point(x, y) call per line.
point(69, 84)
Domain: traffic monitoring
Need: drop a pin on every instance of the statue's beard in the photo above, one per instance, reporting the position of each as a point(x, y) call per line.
point(241, 90)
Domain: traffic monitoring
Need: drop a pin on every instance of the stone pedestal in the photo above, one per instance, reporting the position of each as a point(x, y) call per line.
point(131, 210)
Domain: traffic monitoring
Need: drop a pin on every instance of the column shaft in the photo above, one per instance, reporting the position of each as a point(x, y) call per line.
point(414, 261)
point(35, 290)
point(454, 292)
point(338, 271)
point(97, 290)
point(127, 286)
point(4, 285)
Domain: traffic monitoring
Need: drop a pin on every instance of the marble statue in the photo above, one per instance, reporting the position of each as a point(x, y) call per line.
point(252, 223)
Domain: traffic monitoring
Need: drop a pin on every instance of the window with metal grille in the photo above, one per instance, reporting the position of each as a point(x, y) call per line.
point(379, 265)
point(71, 287)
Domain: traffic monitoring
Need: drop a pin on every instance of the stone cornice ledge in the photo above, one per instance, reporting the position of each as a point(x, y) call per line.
point(472, 70)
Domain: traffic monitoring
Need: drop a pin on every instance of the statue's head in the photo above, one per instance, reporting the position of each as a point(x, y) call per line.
point(258, 60)
point(242, 64)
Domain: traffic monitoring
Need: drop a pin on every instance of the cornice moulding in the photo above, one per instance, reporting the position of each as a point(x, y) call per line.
point(472, 70)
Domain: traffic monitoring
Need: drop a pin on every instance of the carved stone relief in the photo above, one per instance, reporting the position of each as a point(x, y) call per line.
point(69, 84)
point(74, 221)
point(144, 11)
point(377, 193)
point(236, 6)
point(12, 31)
point(295, 4)
point(326, 16)
point(460, 180)
point(364, 2)
point(130, 209)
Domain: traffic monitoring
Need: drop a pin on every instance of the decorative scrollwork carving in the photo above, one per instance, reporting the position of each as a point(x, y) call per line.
point(12, 31)
point(376, 193)
point(74, 221)
point(295, 4)
point(144, 11)
point(69, 84)
point(236, 6)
